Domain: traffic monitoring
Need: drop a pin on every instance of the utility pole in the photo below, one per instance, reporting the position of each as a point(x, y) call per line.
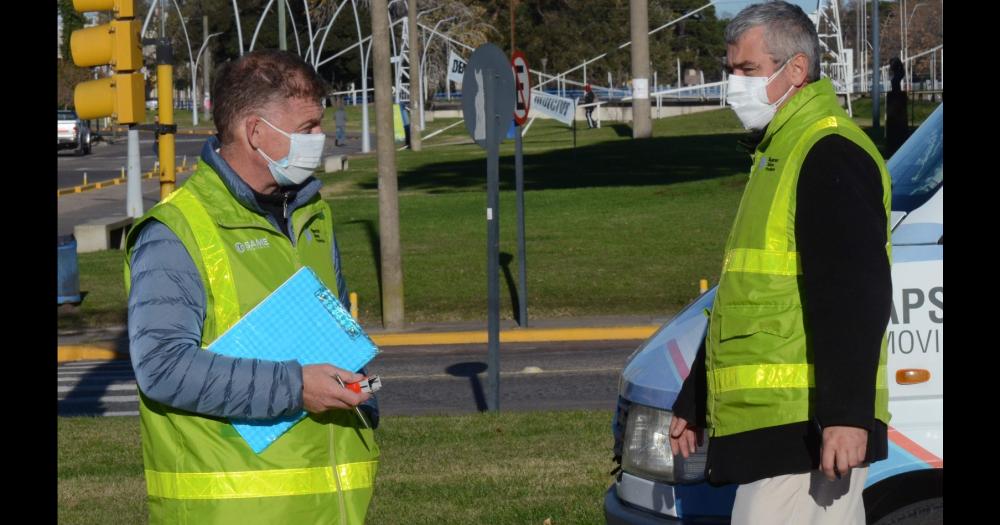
point(416, 84)
point(165, 108)
point(388, 198)
point(208, 68)
point(513, 6)
point(639, 23)
point(876, 72)
point(282, 43)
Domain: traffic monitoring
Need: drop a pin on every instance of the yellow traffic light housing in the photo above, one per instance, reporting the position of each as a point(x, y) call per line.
point(117, 44)
point(121, 96)
point(122, 8)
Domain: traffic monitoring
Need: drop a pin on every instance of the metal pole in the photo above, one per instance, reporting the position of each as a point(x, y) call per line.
point(365, 139)
point(133, 200)
point(208, 68)
point(194, 96)
point(513, 6)
point(906, 49)
point(521, 252)
point(493, 240)
point(639, 23)
point(165, 111)
point(416, 97)
point(282, 43)
point(194, 76)
point(388, 195)
point(876, 71)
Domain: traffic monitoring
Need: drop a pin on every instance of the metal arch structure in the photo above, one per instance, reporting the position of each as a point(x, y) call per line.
point(836, 62)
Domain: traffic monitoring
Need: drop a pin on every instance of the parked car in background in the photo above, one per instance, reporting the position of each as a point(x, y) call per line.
point(73, 133)
point(655, 487)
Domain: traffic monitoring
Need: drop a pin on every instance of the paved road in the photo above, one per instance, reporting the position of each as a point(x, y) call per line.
point(416, 380)
point(105, 162)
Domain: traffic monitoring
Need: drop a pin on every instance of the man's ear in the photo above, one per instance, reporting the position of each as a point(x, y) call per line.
point(251, 128)
point(799, 69)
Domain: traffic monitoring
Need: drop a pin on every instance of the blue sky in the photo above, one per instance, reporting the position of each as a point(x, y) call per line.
point(731, 7)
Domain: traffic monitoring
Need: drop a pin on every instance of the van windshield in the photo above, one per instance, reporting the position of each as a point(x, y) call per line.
point(917, 168)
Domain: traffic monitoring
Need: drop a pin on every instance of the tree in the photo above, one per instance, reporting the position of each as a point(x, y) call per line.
point(923, 29)
point(568, 32)
point(67, 77)
point(71, 21)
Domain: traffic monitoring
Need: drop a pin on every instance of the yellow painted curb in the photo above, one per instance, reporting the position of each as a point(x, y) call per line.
point(530, 335)
point(87, 353)
point(114, 182)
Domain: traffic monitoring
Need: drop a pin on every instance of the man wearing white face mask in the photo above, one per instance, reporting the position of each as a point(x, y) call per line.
point(245, 221)
point(791, 381)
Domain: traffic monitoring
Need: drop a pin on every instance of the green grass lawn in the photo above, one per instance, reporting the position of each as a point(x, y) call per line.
point(516, 468)
point(615, 226)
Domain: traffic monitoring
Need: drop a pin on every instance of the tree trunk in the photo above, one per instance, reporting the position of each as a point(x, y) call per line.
point(388, 198)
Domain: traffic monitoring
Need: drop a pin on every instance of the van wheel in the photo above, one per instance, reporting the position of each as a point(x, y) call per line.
point(924, 512)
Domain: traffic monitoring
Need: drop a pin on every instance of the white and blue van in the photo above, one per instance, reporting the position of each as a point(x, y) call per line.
point(656, 487)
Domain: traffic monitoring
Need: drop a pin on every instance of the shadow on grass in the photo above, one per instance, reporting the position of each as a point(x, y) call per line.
point(654, 161)
point(622, 130)
point(515, 300)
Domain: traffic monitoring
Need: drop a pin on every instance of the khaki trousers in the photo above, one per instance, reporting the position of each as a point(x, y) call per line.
point(807, 498)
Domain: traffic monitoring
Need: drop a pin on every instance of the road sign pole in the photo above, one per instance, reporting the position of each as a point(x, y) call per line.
point(133, 195)
point(522, 257)
point(493, 237)
point(522, 104)
point(488, 102)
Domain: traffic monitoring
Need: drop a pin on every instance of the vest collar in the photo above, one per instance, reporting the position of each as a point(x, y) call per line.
point(241, 191)
point(822, 88)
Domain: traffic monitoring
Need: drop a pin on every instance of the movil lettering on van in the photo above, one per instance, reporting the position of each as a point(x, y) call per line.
point(916, 323)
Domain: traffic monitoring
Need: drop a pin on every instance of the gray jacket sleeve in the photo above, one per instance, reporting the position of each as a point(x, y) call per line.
point(166, 313)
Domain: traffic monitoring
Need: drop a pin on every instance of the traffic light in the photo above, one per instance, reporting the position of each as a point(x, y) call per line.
point(117, 43)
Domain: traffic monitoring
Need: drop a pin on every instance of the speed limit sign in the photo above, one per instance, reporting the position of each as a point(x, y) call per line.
point(522, 87)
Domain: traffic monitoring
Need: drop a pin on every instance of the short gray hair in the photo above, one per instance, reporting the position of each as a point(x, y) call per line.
point(787, 31)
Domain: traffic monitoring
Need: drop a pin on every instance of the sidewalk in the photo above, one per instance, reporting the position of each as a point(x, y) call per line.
point(112, 343)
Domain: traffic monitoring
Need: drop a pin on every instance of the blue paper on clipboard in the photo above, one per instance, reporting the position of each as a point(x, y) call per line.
point(301, 320)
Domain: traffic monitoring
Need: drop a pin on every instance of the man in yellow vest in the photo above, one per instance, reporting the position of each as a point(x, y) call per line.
point(791, 381)
point(246, 220)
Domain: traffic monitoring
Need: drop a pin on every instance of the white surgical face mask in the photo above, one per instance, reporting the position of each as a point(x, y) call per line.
point(304, 156)
point(748, 98)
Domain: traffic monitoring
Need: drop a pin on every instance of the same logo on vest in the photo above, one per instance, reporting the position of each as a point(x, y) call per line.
point(251, 245)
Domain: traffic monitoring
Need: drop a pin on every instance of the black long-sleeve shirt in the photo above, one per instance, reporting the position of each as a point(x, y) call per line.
point(846, 287)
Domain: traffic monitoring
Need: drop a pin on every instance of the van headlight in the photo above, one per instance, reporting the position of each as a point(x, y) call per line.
point(647, 449)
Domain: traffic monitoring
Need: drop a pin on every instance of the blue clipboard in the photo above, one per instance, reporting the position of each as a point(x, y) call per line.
point(301, 320)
